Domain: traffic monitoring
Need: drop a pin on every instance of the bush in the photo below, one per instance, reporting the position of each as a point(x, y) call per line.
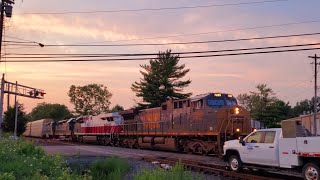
point(23, 160)
point(112, 168)
point(177, 173)
point(7, 176)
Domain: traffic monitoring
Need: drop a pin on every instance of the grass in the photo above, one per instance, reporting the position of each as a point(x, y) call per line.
point(177, 173)
point(22, 160)
point(109, 169)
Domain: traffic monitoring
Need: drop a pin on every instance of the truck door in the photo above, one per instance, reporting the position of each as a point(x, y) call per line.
point(261, 148)
point(249, 150)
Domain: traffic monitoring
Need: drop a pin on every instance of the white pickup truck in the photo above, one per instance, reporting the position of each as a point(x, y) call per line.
point(288, 147)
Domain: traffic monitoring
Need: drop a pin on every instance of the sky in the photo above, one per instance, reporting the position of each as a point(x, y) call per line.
point(290, 74)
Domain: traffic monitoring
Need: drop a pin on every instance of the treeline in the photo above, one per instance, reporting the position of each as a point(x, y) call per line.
point(264, 106)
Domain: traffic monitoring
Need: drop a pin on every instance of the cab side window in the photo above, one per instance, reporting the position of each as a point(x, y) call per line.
point(269, 138)
point(256, 137)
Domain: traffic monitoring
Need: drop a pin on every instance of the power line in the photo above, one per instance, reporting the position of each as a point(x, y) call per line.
point(25, 41)
point(153, 54)
point(212, 32)
point(183, 57)
point(161, 44)
point(153, 9)
point(18, 38)
point(191, 34)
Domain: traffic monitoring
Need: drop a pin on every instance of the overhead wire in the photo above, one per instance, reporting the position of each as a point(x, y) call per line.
point(190, 34)
point(150, 58)
point(152, 9)
point(161, 44)
point(176, 53)
point(212, 32)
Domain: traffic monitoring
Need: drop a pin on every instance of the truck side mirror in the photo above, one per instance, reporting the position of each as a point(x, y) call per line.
point(241, 141)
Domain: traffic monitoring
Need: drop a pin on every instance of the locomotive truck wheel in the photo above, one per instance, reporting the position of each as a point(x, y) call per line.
point(311, 171)
point(235, 163)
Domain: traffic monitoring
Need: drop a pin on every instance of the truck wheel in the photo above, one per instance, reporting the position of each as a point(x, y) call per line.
point(311, 171)
point(235, 163)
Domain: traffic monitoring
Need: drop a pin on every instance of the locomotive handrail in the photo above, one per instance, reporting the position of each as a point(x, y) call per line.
point(225, 131)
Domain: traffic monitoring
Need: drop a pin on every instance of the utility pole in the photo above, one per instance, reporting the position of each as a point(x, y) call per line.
point(315, 57)
point(1, 102)
point(5, 9)
point(1, 24)
point(16, 114)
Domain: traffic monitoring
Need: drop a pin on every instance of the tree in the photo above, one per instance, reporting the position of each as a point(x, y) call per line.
point(52, 111)
point(161, 80)
point(9, 120)
point(264, 106)
point(305, 107)
point(90, 99)
point(117, 108)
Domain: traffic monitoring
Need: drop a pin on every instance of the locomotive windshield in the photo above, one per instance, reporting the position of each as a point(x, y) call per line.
point(221, 100)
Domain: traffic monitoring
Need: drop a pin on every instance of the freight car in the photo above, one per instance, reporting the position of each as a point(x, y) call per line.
point(41, 128)
point(308, 122)
point(194, 125)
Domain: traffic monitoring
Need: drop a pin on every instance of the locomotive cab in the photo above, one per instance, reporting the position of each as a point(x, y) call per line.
point(224, 115)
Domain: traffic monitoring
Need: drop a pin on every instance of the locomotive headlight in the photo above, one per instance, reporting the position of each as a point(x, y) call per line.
point(237, 110)
point(238, 129)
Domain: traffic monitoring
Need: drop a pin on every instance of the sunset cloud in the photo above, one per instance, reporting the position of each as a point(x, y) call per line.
point(236, 74)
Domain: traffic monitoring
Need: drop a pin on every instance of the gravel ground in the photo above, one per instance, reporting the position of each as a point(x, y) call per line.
point(80, 163)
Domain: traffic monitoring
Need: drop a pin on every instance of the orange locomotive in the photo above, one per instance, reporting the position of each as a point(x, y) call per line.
point(196, 125)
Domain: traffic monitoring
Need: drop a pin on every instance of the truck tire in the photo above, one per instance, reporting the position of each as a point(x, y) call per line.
point(311, 171)
point(235, 163)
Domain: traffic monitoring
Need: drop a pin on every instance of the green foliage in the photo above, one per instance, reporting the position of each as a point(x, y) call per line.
point(91, 99)
point(7, 176)
point(161, 80)
point(265, 106)
point(112, 168)
point(52, 111)
point(117, 108)
point(9, 120)
point(23, 160)
point(303, 107)
point(177, 173)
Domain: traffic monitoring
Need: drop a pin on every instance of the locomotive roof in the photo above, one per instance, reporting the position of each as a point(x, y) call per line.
point(200, 96)
point(114, 114)
point(71, 119)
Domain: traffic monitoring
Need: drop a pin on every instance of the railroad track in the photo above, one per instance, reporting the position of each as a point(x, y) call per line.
point(207, 168)
point(219, 171)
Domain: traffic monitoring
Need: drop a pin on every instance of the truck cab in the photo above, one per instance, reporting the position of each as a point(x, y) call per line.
point(288, 147)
